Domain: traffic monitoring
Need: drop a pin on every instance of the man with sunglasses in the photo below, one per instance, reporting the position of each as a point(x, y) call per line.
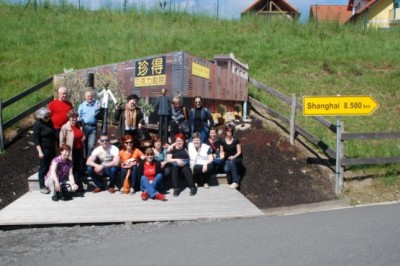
point(104, 161)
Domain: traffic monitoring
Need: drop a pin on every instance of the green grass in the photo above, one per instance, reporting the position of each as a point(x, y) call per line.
point(306, 59)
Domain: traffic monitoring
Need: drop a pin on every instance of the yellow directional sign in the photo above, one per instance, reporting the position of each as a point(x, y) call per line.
point(339, 105)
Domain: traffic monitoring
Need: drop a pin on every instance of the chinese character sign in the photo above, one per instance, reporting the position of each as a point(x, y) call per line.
point(150, 72)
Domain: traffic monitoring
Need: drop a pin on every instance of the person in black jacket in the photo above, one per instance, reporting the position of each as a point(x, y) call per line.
point(151, 177)
point(163, 105)
point(44, 137)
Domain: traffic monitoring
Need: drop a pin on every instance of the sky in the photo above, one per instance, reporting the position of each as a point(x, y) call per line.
point(226, 9)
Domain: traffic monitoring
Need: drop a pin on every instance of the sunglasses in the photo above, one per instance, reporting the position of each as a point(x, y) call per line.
point(104, 140)
point(197, 102)
point(128, 142)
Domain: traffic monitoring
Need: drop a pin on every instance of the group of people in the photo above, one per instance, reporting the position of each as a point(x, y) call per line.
point(187, 146)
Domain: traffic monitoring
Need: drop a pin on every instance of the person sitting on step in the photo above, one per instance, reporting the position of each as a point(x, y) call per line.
point(233, 156)
point(178, 157)
point(60, 179)
point(201, 160)
point(103, 162)
point(130, 155)
point(151, 177)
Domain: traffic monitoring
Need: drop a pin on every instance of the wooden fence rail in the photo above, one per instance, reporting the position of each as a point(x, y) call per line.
point(22, 115)
point(344, 136)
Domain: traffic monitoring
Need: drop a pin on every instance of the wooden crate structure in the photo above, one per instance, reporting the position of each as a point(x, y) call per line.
point(223, 80)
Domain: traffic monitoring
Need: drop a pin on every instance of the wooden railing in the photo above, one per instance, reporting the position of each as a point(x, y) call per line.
point(17, 118)
point(344, 136)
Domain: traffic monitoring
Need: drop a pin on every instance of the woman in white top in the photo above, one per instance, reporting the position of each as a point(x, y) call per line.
point(201, 160)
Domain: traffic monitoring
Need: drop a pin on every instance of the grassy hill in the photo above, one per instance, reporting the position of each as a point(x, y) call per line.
point(306, 59)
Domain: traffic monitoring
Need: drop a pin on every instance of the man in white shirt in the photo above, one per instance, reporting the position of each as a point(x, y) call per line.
point(104, 161)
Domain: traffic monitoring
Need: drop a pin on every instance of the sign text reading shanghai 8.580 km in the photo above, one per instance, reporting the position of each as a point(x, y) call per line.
point(339, 105)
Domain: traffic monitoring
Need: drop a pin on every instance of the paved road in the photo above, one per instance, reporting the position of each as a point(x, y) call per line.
point(355, 236)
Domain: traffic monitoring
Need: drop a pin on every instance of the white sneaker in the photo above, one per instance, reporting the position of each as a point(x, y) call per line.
point(206, 185)
point(131, 191)
point(234, 185)
point(44, 190)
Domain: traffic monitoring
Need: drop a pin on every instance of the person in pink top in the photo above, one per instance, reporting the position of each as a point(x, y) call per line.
point(59, 108)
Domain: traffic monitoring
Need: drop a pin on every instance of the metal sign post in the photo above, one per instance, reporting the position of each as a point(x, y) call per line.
point(339, 106)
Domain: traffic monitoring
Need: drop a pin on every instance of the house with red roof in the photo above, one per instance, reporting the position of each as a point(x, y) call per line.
point(272, 9)
point(330, 13)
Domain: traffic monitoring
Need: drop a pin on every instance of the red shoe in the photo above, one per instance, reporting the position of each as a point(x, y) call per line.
point(145, 195)
point(97, 190)
point(160, 196)
point(111, 190)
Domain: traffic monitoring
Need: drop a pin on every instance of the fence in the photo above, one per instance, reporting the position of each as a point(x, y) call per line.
point(337, 129)
point(17, 118)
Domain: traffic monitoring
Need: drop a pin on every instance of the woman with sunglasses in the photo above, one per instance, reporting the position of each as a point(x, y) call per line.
point(178, 156)
point(233, 155)
point(200, 119)
point(130, 155)
point(151, 177)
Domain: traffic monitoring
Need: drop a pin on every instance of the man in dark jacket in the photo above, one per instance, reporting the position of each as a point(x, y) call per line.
point(163, 104)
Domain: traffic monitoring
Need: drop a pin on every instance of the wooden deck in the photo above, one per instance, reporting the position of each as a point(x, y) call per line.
point(218, 202)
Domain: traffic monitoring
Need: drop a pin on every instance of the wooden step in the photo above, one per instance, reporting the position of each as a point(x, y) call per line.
point(215, 180)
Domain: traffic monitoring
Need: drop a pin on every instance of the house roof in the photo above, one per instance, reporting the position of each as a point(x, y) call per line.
point(337, 13)
point(260, 4)
point(368, 5)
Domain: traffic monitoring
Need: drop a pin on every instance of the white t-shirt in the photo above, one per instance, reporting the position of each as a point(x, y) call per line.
point(105, 156)
point(199, 156)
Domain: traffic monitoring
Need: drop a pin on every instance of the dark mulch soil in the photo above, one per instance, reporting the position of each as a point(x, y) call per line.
point(277, 172)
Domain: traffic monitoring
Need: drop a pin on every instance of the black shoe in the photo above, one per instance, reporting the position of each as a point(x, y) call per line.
point(54, 198)
point(176, 192)
point(193, 191)
point(66, 198)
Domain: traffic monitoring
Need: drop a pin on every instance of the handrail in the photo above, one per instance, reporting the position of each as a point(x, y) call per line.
point(22, 115)
point(27, 92)
point(343, 135)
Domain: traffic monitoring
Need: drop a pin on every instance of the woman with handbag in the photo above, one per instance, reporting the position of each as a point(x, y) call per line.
point(130, 156)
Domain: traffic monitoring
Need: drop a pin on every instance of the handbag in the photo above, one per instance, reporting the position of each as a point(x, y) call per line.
point(99, 114)
point(126, 187)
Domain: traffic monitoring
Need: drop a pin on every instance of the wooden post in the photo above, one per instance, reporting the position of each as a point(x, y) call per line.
point(342, 156)
point(1, 127)
point(292, 118)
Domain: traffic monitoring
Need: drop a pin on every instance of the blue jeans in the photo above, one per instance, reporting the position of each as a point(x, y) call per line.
point(132, 176)
point(231, 166)
point(90, 141)
point(151, 188)
point(111, 172)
